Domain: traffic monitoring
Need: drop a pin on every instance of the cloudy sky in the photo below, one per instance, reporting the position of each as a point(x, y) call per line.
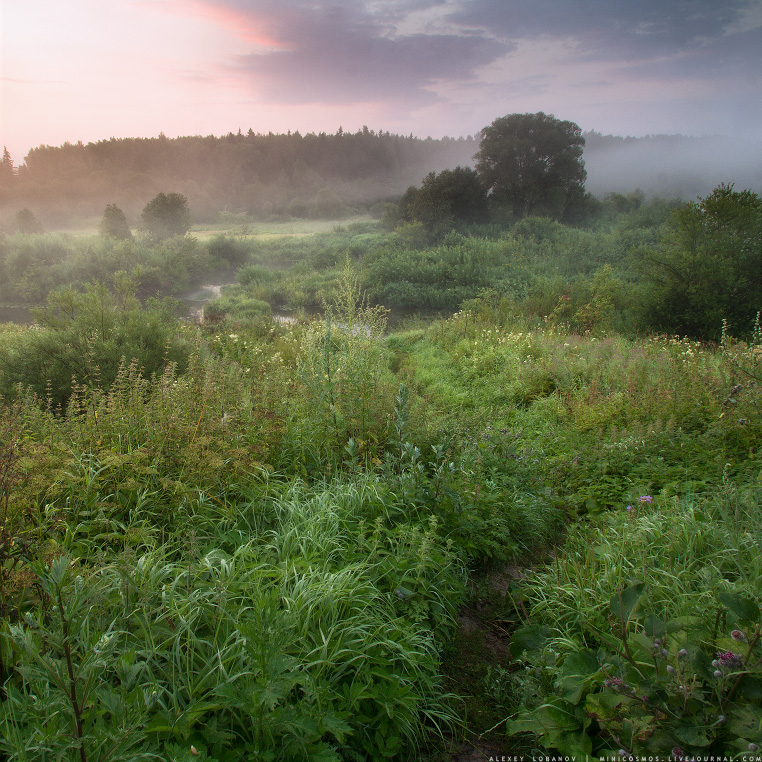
point(92, 69)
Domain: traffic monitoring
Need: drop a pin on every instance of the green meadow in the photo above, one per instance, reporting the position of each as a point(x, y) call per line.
point(495, 490)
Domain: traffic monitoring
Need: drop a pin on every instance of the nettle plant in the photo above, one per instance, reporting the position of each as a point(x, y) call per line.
point(643, 677)
point(653, 686)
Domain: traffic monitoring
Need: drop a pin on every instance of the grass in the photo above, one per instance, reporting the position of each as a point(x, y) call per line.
point(268, 230)
point(265, 552)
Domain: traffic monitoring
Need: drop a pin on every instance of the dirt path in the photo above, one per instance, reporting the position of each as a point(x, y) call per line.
point(475, 667)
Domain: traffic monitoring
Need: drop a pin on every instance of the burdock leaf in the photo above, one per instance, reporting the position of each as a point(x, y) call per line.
point(624, 603)
point(745, 609)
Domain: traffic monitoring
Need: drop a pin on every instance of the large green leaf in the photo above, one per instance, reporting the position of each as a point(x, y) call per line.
point(745, 609)
point(578, 671)
point(624, 603)
point(531, 637)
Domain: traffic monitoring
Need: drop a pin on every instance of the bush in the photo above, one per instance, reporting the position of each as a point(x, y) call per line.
point(84, 338)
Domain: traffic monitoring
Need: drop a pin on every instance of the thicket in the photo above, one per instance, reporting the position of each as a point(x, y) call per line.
point(31, 266)
point(259, 548)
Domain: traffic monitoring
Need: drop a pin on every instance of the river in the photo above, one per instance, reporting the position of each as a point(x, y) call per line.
point(194, 307)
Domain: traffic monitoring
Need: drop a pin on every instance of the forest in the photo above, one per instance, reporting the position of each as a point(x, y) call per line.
point(465, 465)
point(281, 175)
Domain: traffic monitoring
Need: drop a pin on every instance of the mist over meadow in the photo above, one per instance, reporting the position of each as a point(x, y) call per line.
point(281, 174)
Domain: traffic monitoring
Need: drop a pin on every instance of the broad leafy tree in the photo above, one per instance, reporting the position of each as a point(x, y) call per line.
point(166, 215)
point(708, 266)
point(114, 223)
point(532, 164)
point(26, 222)
point(445, 200)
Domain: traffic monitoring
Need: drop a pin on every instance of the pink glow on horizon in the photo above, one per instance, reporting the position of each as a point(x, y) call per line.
point(92, 69)
point(242, 25)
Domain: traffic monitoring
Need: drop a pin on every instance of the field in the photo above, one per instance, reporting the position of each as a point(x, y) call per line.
point(519, 523)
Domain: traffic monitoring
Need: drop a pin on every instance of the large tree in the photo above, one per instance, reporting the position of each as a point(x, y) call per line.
point(166, 215)
point(532, 164)
point(444, 200)
point(114, 223)
point(26, 222)
point(708, 266)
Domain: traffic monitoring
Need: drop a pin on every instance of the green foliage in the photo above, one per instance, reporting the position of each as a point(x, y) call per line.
point(235, 306)
point(166, 215)
point(8, 174)
point(228, 250)
point(26, 222)
point(114, 223)
point(652, 633)
point(708, 266)
point(444, 201)
point(84, 339)
point(343, 369)
point(532, 164)
point(272, 535)
point(296, 642)
point(33, 265)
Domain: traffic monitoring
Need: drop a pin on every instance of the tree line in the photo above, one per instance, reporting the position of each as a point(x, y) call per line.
point(321, 174)
point(250, 173)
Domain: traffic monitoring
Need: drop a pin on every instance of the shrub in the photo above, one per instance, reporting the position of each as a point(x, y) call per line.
point(84, 338)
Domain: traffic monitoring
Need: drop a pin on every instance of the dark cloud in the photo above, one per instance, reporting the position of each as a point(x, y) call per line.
point(344, 53)
point(609, 29)
point(729, 58)
point(409, 54)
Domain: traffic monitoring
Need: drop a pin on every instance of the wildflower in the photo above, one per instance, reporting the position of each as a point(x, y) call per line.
point(629, 507)
point(738, 635)
point(671, 669)
point(682, 653)
point(718, 673)
point(677, 752)
point(645, 499)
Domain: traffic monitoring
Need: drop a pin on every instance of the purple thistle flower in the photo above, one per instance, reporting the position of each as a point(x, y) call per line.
point(645, 499)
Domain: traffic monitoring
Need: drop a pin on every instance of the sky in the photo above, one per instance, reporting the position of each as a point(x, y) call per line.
point(90, 70)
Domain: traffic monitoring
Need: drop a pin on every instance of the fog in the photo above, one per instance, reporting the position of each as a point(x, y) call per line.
point(670, 166)
point(289, 175)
